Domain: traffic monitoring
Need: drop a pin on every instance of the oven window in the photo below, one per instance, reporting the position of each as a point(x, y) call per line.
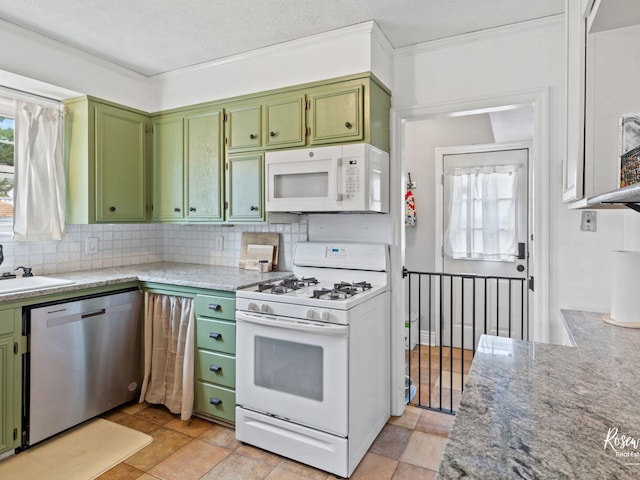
point(289, 367)
point(302, 185)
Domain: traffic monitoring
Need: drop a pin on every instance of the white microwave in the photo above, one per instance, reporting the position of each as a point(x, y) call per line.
point(340, 178)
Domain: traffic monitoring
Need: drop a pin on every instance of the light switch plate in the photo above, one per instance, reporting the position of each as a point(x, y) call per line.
point(588, 221)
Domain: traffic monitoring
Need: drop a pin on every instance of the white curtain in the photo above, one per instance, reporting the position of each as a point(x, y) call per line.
point(169, 353)
point(39, 199)
point(482, 213)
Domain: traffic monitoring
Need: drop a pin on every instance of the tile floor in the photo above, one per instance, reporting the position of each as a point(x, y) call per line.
point(438, 389)
point(409, 447)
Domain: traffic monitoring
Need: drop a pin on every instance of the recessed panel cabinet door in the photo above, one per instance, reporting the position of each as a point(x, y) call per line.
point(284, 122)
point(203, 163)
point(336, 115)
point(10, 377)
point(120, 142)
point(245, 178)
point(168, 160)
point(244, 128)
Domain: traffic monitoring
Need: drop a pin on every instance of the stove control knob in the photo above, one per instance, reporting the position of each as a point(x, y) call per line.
point(252, 306)
point(325, 316)
point(310, 313)
point(264, 308)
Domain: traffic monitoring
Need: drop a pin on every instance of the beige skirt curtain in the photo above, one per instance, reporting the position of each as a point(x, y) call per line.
point(169, 353)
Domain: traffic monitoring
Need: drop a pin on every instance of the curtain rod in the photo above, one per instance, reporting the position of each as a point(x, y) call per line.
point(22, 95)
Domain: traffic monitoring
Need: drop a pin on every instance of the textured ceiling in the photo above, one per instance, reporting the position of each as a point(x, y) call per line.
point(157, 36)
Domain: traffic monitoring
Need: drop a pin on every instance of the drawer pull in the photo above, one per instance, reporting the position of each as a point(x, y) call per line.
point(215, 368)
point(215, 335)
point(215, 401)
point(216, 307)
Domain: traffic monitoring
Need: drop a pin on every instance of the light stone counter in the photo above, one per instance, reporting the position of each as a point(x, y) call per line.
point(178, 274)
point(539, 411)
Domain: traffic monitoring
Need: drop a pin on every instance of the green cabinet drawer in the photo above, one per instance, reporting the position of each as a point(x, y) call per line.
point(216, 368)
point(214, 306)
point(215, 401)
point(217, 335)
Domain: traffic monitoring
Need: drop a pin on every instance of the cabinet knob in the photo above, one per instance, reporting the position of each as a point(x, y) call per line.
point(215, 401)
point(215, 368)
point(112, 209)
point(176, 209)
point(348, 125)
point(192, 209)
point(272, 134)
point(253, 136)
point(254, 208)
point(215, 335)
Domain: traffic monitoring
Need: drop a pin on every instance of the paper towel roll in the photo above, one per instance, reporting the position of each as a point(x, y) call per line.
point(625, 308)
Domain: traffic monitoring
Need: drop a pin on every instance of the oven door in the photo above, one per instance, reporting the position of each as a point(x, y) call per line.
point(294, 369)
point(303, 181)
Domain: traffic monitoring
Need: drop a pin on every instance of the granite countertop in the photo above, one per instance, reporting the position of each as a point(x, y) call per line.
point(179, 274)
point(540, 411)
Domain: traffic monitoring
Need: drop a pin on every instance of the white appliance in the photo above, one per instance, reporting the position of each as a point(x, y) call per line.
point(339, 178)
point(312, 357)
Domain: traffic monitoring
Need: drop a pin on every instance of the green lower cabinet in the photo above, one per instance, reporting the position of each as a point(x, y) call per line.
point(215, 401)
point(10, 378)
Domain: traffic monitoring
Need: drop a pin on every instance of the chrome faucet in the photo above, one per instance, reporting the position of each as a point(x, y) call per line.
point(26, 271)
point(1, 255)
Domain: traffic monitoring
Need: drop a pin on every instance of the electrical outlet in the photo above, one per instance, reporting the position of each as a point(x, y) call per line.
point(588, 221)
point(91, 245)
point(219, 243)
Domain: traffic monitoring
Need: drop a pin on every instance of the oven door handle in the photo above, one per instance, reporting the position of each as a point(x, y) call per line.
point(299, 325)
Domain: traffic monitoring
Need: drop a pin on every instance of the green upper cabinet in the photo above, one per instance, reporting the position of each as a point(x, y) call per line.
point(245, 191)
point(105, 149)
point(168, 168)
point(336, 115)
point(354, 110)
point(203, 163)
point(10, 378)
point(244, 127)
point(284, 121)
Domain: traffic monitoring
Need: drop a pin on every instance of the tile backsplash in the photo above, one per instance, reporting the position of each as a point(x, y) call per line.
point(132, 244)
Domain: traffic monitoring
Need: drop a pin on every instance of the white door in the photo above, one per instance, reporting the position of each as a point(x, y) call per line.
point(484, 243)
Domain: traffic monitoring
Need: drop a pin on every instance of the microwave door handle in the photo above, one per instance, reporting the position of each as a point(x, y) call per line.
point(301, 326)
point(339, 181)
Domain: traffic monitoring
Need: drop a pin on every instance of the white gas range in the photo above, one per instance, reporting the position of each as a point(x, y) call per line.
point(312, 357)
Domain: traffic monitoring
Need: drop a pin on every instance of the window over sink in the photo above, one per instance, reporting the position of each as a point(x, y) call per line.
point(6, 164)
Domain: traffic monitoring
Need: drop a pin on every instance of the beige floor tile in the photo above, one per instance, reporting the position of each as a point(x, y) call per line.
point(122, 471)
point(435, 423)
point(408, 419)
point(146, 476)
point(239, 467)
point(139, 424)
point(221, 436)
point(165, 442)
point(374, 467)
point(134, 408)
point(424, 450)
point(391, 441)
point(156, 414)
point(193, 427)
point(279, 473)
point(258, 454)
point(191, 462)
point(305, 470)
point(406, 471)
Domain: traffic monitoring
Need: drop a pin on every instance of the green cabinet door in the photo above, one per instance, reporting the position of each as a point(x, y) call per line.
point(168, 168)
point(121, 154)
point(245, 179)
point(203, 165)
point(284, 124)
point(336, 115)
point(10, 376)
point(244, 128)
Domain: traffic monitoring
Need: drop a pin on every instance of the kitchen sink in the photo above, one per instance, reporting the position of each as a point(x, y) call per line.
point(30, 283)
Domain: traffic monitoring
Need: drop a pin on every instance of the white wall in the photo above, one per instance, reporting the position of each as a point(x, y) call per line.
point(503, 62)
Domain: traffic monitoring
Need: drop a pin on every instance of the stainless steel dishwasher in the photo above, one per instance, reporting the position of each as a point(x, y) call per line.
point(84, 359)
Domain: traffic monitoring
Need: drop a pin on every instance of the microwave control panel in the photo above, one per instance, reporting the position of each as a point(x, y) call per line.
point(351, 177)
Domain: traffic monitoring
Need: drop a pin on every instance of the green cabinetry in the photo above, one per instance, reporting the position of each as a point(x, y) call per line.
point(10, 378)
point(187, 166)
point(215, 361)
point(245, 191)
point(106, 150)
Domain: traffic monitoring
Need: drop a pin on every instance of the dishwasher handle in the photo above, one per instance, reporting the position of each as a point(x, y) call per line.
point(94, 314)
